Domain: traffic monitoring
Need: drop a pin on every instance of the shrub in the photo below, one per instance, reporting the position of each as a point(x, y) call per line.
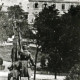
point(74, 73)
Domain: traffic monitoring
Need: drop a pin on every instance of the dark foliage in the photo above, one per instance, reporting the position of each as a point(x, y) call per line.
point(15, 12)
point(74, 73)
point(59, 37)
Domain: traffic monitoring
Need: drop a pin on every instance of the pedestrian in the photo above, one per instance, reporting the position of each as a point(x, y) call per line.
point(25, 58)
point(15, 67)
point(14, 54)
point(15, 72)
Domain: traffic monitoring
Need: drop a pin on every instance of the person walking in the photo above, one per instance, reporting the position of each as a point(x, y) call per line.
point(25, 58)
point(15, 67)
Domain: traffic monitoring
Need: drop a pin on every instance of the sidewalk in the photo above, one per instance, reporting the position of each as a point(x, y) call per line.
point(4, 74)
point(47, 77)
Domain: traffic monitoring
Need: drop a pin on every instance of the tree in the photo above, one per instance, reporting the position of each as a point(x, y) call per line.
point(74, 73)
point(74, 15)
point(3, 21)
point(43, 62)
point(48, 33)
point(59, 37)
point(72, 37)
point(15, 13)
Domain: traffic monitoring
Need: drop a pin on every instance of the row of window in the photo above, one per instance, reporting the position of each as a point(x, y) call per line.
point(36, 5)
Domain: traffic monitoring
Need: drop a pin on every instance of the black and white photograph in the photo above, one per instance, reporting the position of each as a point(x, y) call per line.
point(39, 39)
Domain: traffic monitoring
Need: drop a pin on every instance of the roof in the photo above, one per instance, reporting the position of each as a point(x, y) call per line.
point(46, 0)
point(68, 1)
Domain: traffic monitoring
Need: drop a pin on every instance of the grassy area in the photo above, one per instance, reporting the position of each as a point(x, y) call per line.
point(5, 52)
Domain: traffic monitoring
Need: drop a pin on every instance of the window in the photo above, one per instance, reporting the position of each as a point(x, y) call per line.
point(54, 5)
point(63, 6)
point(20, 4)
point(44, 5)
point(36, 5)
point(2, 4)
point(72, 6)
point(32, 21)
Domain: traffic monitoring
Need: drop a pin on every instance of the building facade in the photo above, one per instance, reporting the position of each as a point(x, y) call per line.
point(7, 3)
point(35, 6)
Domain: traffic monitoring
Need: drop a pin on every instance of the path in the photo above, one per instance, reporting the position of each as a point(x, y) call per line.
point(4, 74)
